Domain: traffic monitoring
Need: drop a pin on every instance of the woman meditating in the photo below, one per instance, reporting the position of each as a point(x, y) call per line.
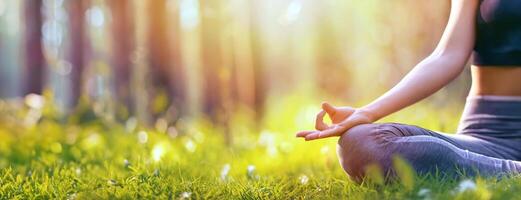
point(488, 140)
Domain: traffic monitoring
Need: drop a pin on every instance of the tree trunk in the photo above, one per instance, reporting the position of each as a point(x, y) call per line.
point(332, 72)
point(166, 71)
point(76, 55)
point(217, 57)
point(3, 72)
point(257, 63)
point(122, 48)
point(35, 65)
point(212, 59)
point(178, 80)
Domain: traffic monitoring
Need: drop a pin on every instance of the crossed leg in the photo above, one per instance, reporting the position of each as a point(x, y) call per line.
point(427, 151)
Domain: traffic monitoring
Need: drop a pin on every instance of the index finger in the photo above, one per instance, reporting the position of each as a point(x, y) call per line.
point(330, 132)
point(304, 133)
point(319, 121)
point(342, 127)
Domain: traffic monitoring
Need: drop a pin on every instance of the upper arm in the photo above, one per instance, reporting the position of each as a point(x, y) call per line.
point(457, 40)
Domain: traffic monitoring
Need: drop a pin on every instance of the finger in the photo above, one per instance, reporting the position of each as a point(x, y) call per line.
point(331, 132)
point(304, 133)
point(340, 128)
point(331, 110)
point(312, 136)
point(319, 121)
point(336, 130)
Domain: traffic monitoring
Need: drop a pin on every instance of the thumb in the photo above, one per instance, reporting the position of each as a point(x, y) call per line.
point(328, 108)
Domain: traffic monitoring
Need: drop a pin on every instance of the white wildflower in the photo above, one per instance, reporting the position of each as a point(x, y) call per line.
point(185, 195)
point(250, 170)
point(303, 179)
point(158, 151)
point(224, 172)
point(112, 182)
point(131, 124)
point(142, 137)
point(466, 185)
point(425, 193)
point(34, 101)
point(71, 196)
point(190, 146)
point(268, 140)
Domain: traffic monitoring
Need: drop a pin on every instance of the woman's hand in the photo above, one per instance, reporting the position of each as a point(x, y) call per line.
point(343, 119)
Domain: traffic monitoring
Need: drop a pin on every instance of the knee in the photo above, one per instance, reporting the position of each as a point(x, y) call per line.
point(356, 137)
point(360, 147)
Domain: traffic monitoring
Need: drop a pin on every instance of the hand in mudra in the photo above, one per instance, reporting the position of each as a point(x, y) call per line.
point(343, 118)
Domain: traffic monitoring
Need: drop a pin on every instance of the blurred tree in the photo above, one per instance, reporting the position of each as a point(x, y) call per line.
point(35, 66)
point(177, 80)
point(217, 56)
point(213, 72)
point(3, 74)
point(77, 46)
point(245, 47)
point(411, 36)
point(256, 59)
point(140, 59)
point(166, 72)
point(333, 76)
point(122, 48)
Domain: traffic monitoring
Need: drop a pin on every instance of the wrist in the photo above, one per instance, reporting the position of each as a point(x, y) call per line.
point(371, 114)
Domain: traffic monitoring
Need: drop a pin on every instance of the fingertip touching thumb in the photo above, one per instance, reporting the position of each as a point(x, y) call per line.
point(328, 108)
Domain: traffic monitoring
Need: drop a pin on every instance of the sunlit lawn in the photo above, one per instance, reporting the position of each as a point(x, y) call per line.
point(45, 157)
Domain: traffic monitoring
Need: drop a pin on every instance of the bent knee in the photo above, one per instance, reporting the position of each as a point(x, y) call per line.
point(362, 146)
point(354, 135)
point(354, 151)
point(361, 135)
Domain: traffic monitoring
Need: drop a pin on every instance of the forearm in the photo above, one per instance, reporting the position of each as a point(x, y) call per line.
point(426, 78)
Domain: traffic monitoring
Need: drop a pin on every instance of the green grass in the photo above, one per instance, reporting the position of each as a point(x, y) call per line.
point(55, 158)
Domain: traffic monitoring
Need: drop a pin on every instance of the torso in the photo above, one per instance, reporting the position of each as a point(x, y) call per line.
point(496, 60)
point(490, 80)
point(498, 33)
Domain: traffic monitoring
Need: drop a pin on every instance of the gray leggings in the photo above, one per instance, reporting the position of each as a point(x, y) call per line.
point(488, 143)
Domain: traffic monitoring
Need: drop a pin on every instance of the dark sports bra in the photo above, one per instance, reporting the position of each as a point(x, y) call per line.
point(498, 33)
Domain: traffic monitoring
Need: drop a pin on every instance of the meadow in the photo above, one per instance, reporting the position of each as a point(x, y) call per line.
point(195, 99)
point(44, 156)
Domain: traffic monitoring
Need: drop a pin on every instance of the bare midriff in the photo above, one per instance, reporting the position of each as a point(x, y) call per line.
point(496, 80)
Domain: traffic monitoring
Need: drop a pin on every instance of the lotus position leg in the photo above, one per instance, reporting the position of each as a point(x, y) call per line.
point(427, 151)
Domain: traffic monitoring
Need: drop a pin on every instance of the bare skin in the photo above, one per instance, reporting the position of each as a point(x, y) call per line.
point(501, 81)
point(444, 64)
